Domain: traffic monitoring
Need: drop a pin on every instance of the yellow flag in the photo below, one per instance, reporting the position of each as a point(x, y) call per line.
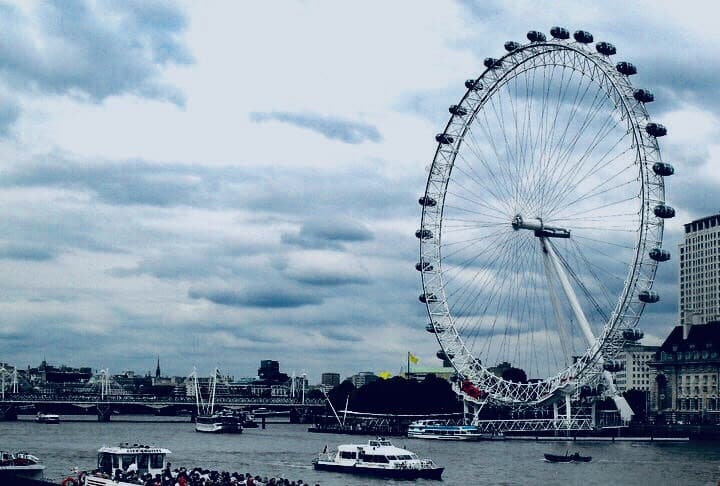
point(384, 375)
point(413, 359)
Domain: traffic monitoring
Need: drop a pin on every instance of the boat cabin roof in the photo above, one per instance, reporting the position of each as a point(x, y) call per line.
point(126, 448)
point(380, 445)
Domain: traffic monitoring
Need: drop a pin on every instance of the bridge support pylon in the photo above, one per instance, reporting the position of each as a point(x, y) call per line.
point(103, 413)
point(8, 412)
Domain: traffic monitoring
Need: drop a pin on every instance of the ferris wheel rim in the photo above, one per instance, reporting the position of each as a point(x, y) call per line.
point(606, 343)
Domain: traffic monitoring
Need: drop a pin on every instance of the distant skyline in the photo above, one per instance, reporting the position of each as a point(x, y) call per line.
point(220, 182)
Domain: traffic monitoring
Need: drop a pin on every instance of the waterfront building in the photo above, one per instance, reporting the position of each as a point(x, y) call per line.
point(330, 379)
point(688, 372)
point(636, 372)
point(270, 371)
point(363, 378)
point(699, 286)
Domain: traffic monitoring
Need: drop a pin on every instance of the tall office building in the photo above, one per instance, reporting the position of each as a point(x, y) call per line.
point(330, 379)
point(699, 286)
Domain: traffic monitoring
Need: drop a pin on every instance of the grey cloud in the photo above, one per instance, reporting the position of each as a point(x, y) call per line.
point(278, 297)
point(333, 128)
point(26, 252)
point(131, 183)
point(327, 234)
point(93, 50)
point(341, 336)
point(9, 113)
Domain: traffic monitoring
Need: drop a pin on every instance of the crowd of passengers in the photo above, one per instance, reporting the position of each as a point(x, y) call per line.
point(201, 477)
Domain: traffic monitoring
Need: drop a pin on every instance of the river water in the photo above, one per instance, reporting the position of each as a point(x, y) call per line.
point(287, 450)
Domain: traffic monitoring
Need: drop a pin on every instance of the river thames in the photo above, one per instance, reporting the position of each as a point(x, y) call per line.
point(287, 450)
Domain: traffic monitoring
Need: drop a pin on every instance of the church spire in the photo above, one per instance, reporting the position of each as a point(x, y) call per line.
point(157, 369)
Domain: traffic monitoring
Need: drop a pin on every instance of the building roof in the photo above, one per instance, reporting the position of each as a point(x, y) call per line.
point(699, 224)
point(701, 336)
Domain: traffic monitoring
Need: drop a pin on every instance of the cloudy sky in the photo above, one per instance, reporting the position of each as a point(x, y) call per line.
point(218, 183)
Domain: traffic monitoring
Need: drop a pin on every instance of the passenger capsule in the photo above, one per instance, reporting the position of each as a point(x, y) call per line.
point(423, 234)
point(425, 298)
point(423, 267)
point(605, 48)
point(583, 36)
point(613, 366)
point(473, 84)
point(663, 169)
point(633, 334)
point(664, 211)
point(444, 138)
point(626, 68)
point(443, 355)
point(535, 36)
point(492, 63)
point(659, 255)
point(457, 110)
point(427, 201)
point(512, 46)
point(656, 129)
point(648, 296)
point(433, 329)
point(559, 33)
point(643, 95)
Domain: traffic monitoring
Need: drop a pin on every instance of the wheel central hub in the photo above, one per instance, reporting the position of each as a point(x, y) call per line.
point(541, 229)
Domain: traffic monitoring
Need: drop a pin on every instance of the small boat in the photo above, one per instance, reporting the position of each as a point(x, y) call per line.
point(47, 418)
point(377, 458)
point(248, 421)
point(223, 422)
point(122, 465)
point(576, 457)
point(19, 464)
point(442, 430)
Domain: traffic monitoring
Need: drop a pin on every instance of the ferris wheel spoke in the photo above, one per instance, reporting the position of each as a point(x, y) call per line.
point(499, 190)
point(472, 176)
point(500, 219)
point(569, 165)
point(559, 202)
point(506, 181)
point(600, 136)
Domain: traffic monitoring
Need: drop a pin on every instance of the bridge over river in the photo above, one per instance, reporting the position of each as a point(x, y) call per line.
point(106, 405)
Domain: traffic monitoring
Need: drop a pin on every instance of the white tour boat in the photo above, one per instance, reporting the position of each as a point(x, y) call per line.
point(220, 422)
point(19, 464)
point(116, 463)
point(377, 458)
point(47, 418)
point(441, 430)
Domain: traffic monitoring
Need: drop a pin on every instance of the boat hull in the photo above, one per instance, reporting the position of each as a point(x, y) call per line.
point(217, 429)
point(31, 472)
point(466, 437)
point(567, 458)
point(396, 473)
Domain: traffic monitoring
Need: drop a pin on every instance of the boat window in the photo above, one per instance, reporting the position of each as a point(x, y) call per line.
point(392, 458)
point(347, 455)
point(105, 462)
point(142, 462)
point(156, 461)
point(127, 459)
point(377, 459)
point(405, 457)
point(116, 462)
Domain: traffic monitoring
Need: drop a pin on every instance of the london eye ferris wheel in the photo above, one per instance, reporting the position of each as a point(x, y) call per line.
point(542, 220)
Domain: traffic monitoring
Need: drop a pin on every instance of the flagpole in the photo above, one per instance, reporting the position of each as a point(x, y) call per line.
point(408, 368)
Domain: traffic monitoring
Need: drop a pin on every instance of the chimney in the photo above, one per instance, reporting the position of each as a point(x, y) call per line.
point(693, 319)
